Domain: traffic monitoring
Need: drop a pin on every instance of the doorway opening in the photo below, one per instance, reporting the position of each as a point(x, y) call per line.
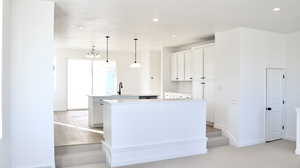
point(81, 77)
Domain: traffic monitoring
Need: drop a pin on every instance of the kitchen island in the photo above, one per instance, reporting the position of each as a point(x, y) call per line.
point(95, 106)
point(139, 131)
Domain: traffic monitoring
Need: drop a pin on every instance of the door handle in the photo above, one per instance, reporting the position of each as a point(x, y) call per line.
point(269, 108)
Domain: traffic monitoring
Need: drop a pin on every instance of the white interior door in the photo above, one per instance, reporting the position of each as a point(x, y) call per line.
point(275, 102)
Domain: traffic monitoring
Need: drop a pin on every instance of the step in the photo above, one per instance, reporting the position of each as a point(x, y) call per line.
point(98, 165)
point(217, 141)
point(214, 133)
point(77, 155)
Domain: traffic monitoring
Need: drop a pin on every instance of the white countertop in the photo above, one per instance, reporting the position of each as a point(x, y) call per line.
point(125, 95)
point(119, 101)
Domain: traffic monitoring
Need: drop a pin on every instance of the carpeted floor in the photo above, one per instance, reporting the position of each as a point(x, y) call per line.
point(278, 154)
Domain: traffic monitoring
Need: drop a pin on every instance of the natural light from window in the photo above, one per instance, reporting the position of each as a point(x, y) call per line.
point(87, 77)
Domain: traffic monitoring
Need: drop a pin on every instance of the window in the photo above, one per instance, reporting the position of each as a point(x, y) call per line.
point(86, 77)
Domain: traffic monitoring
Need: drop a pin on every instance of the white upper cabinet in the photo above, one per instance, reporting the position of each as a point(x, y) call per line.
point(181, 63)
point(209, 62)
point(180, 67)
point(174, 65)
point(197, 64)
point(203, 77)
point(177, 66)
point(188, 66)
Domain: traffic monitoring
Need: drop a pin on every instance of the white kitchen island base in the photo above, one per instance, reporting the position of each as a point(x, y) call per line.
point(139, 131)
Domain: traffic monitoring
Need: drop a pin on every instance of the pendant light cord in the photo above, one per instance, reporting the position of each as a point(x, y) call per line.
point(107, 37)
point(135, 40)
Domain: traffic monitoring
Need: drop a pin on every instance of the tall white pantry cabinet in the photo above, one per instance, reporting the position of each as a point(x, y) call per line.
point(197, 65)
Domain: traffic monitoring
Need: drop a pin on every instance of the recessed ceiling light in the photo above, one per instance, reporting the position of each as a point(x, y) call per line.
point(276, 9)
point(80, 27)
point(155, 19)
point(174, 36)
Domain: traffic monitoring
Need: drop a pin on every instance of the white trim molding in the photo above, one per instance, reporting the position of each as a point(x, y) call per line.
point(252, 142)
point(298, 132)
point(297, 151)
point(290, 138)
point(123, 156)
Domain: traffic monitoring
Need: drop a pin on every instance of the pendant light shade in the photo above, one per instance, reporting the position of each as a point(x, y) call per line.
point(107, 58)
point(135, 64)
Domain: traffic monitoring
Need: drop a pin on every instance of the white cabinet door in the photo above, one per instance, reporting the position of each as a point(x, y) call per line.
point(188, 75)
point(197, 71)
point(203, 77)
point(209, 74)
point(180, 66)
point(174, 72)
point(209, 62)
point(197, 64)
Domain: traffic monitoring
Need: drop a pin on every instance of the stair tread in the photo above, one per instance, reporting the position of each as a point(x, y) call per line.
point(217, 141)
point(99, 165)
point(214, 134)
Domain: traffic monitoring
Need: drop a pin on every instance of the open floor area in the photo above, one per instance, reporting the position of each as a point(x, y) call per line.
point(277, 154)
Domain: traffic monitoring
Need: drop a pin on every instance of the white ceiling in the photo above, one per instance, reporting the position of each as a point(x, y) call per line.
point(189, 20)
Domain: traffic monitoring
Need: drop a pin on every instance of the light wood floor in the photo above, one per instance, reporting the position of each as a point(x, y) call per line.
point(71, 128)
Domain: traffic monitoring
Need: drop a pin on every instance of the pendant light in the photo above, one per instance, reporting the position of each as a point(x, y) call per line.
point(93, 53)
point(135, 64)
point(107, 58)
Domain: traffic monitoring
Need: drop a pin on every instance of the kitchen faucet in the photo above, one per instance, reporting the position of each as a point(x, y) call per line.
point(120, 88)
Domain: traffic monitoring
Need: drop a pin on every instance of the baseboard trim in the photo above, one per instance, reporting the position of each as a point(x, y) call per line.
point(290, 138)
point(39, 166)
point(124, 156)
point(297, 151)
point(252, 142)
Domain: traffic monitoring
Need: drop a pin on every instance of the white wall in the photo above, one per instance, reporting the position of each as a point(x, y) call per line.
point(227, 79)
point(135, 81)
point(243, 55)
point(259, 50)
point(293, 82)
point(4, 142)
point(28, 83)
